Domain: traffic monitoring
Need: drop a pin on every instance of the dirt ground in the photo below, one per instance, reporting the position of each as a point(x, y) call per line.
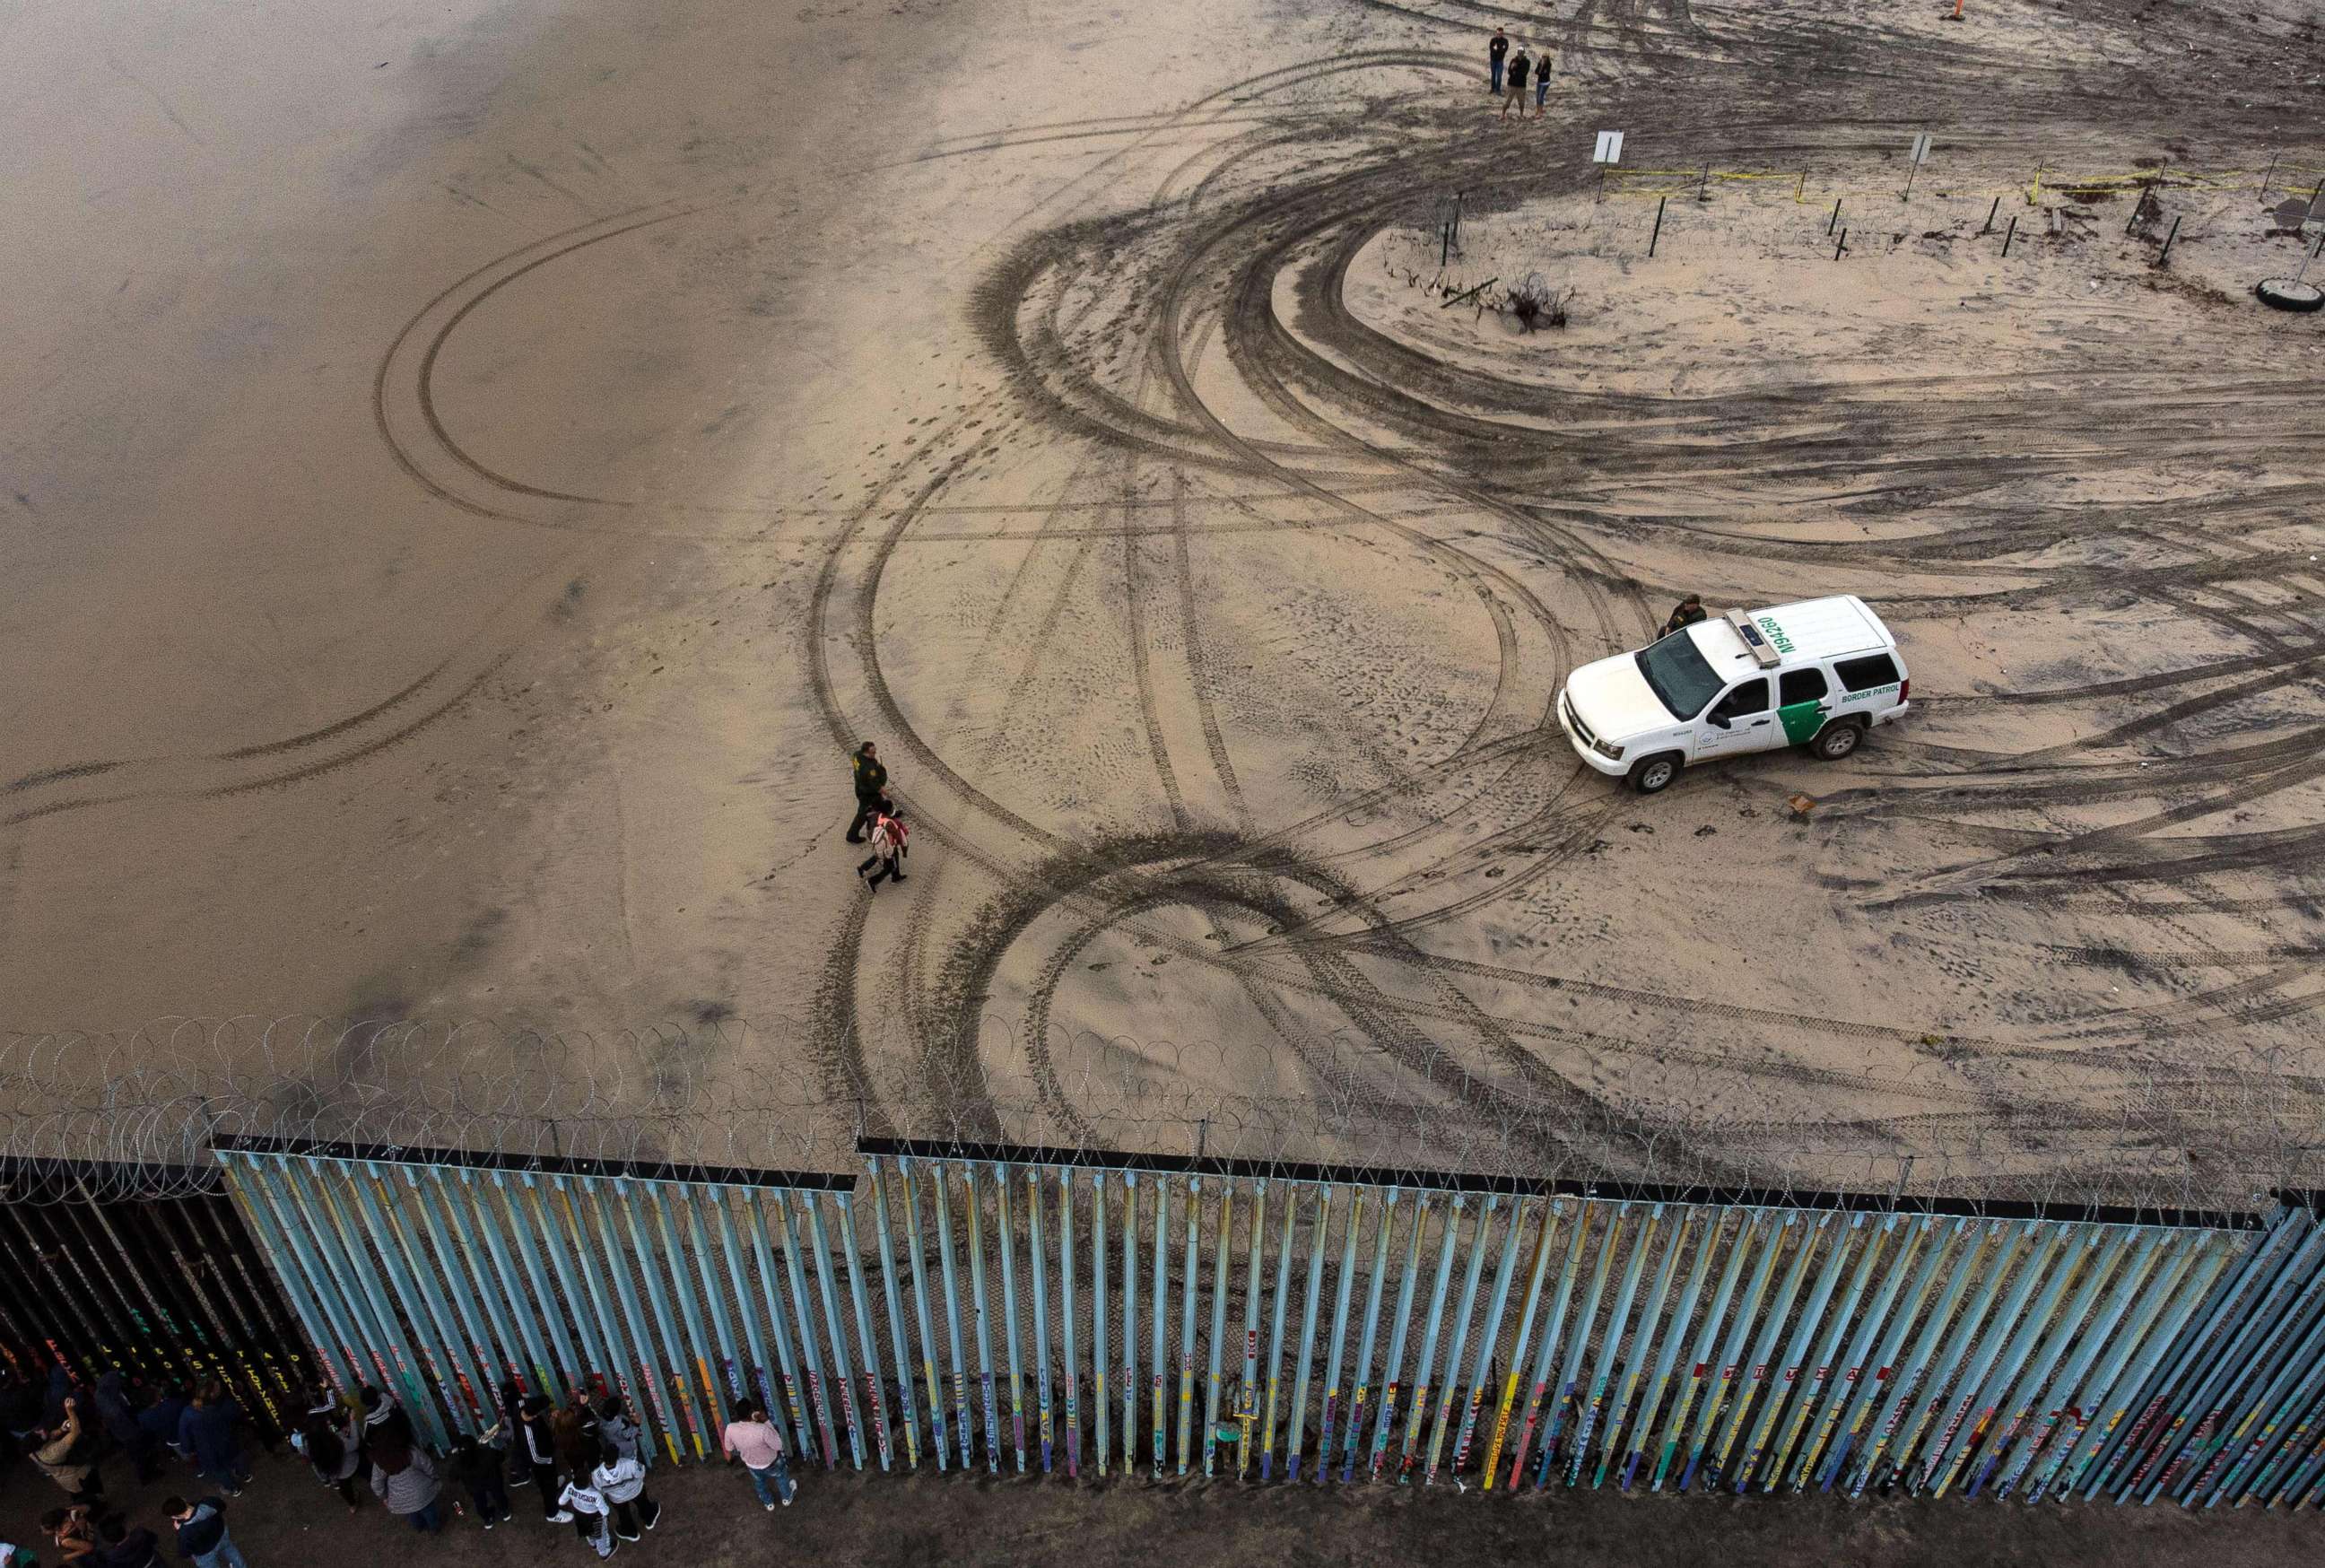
point(933, 1522)
point(474, 469)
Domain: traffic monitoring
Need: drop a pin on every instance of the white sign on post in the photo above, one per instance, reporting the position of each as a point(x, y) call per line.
point(1921, 147)
point(1610, 148)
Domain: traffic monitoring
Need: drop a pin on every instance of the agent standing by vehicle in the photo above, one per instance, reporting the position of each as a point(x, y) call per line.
point(1688, 612)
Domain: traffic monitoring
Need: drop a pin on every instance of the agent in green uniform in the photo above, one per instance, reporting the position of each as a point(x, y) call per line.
point(1685, 614)
point(871, 789)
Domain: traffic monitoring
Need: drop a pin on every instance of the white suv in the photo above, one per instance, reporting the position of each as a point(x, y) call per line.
point(1818, 673)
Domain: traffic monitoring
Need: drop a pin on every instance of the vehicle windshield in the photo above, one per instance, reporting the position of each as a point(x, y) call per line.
point(1682, 677)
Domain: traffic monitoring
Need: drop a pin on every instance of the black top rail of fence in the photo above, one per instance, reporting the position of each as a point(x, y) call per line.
point(1812, 1200)
point(536, 1164)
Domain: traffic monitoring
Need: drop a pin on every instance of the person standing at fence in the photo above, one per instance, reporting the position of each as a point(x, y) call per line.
point(1521, 68)
point(755, 1440)
point(1496, 48)
point(616, 1426)
point(871, 781)
point(404, 1478)
point(541, 1457)
point(478, 1467)
point(67, 1454)
point(575, 1429)
point(207, 1429)
point(331, 1449)
point(585, 1507)
point(508, 1434)
point(120, 1418)
point(202, 1538)
point(383, 1417)
point(162, 1419)
point(621, 1481)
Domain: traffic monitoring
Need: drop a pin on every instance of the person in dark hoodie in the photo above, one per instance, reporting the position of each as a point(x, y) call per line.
point(120, 1418)
point(119, 1547)
point(161, 1419)
point(383, 1417)
point(207, 1429)
point(478, 1467)
point(202, 1538)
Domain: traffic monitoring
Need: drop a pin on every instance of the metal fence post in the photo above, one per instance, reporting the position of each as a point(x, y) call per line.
point(905, 1409)
point(1426, 1367)
point(1099, 1239)
point(1296, 1433)
point(984, 1320)
point(1247, 1399)
point(1191, 1267)
point(1344, 1290)
point(1275, 1333)
point(918, 1249)
point(1392, 1370)
point(1129, 1321)
point(1067, 1325)
point(1158, 1322)
point(1043, 1393)
point(1447, 1390)
point(1364, 1369)
point(1003, 1220)
point(1222, 1249)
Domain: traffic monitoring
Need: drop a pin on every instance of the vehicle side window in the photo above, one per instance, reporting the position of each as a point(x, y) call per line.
point(1752, 696)
point(1801, 686)
point(1864, 674)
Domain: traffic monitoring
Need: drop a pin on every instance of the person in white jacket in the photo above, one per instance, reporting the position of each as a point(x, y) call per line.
point(621, 1481)
point(585, 1506)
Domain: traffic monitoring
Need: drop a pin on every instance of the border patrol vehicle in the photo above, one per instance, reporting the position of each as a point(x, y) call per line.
point(1817, 674)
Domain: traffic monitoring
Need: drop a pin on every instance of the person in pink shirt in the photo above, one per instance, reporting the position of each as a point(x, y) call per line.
point(752, 1438)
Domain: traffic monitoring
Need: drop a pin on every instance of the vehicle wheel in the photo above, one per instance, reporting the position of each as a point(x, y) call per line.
point(1835, 741)
point(2286, 294)
point(1654, 774)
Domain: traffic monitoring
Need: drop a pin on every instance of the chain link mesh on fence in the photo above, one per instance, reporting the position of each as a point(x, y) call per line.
point(2142, 1132)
